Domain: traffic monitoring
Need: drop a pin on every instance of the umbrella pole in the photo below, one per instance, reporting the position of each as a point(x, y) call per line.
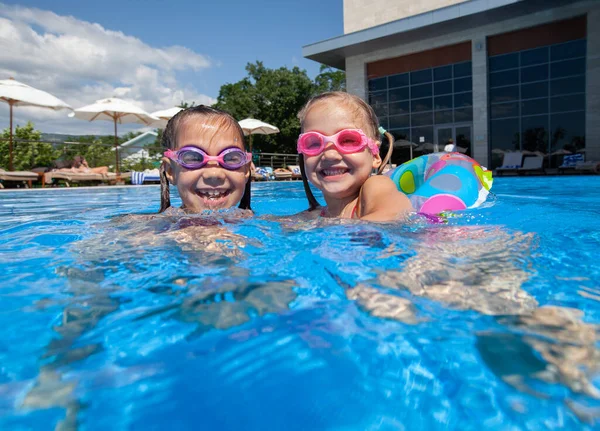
point(116, 147)
point(10, 145)
point(250, 143)
point(411, 156)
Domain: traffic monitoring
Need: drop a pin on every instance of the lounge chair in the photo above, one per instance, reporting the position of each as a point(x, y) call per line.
point(570, 162)
point(282, 174)
point(532, 164)
point(511, 163)
point(296, 173)
point(270, 173)
point(591, 167)
point(68, 178)
point(147, 176)
point(260, 174)
point(24, 177)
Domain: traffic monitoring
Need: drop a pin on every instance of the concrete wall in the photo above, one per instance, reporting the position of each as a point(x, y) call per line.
point(356, 78)
point(362, 14)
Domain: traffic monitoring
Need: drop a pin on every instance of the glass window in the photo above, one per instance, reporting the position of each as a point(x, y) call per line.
point(417, 105)
point(398, 108)
point(534, 73)
point(400, 134)
point(535, 90)
point(534, 133)
point(503, 110)
point(443, 87)
point(399, 121)
point(568, 131)
point(443, 102)
point(383, 122)
point(504, 134)
point(422, 132)
point(443, 117)
point(500, 79)
point(379, 103)
point(399, 94)
point(420, 76)
point(504, 94)
point(573, 102)
point(421, 119)
point(463, 84)
point(463, 115)
point(400, 80)
point(502, 62)
point(572, 49)
point(417, 91)
point(463, 100)
point(534, 56)
point(534, 106)
point(574, 84)
point(463, 69)
point(378, 84)
point(567, 68)
point(441, 73)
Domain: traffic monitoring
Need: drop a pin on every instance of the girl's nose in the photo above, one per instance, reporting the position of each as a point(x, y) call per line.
point(213, 173)
point(330, 151)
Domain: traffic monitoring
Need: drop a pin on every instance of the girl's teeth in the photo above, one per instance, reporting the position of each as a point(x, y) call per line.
point(330, 172)
point(214, 194)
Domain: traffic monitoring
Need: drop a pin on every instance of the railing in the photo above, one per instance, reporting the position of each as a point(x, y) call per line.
point(275, 160)
point(28, 155)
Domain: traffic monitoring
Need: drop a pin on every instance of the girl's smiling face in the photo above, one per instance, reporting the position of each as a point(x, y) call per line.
point(212, 186)
point(337, 175)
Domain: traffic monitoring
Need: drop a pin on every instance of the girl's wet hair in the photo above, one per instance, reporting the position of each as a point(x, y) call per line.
point(222, 121)
point(362, 110)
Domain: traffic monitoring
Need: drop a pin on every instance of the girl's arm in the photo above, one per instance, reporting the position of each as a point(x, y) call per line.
point(380, 200)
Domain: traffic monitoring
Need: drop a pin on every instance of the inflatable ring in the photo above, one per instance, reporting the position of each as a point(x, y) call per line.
point(440, 182)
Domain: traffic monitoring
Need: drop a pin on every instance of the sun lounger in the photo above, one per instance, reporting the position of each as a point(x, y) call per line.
point(24, 177)
point(68, 178)
point(260, 174)
point(147, 176)
point(296, 173)
point(532, 164)
point(592, 167)
point(570, 162)
point(511, 163)
point(282, 174)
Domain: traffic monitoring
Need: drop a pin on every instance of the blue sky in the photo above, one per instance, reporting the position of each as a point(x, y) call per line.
point(148, 52)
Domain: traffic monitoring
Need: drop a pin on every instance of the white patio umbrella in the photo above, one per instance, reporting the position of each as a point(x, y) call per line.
point(165, 115)
point(427, 146)
point(250, 126)
point(561, 152)
point(117, 111)
point(403, 143)
point(16, 93)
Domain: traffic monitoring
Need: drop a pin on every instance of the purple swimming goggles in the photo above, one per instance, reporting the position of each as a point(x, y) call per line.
point(195, 158)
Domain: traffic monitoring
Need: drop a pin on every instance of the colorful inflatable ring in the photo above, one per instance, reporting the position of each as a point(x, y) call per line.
point(440, 182)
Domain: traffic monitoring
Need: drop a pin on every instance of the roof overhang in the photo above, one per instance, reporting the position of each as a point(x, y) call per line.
point(474, 13)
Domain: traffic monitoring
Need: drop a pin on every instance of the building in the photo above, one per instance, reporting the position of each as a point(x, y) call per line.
point(493, 75)
point(135, 150)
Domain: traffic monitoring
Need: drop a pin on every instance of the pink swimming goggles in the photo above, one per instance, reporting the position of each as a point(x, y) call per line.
point(194, 158)
point(346, 141)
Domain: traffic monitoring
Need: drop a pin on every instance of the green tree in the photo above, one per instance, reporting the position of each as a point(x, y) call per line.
point(271, 95)
point(186, 105)
point(330, 79)
point(28, 152)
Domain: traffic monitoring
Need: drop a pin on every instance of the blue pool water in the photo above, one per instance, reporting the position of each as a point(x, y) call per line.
point(110, 321)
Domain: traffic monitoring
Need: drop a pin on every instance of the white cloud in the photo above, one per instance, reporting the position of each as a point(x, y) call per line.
point(81, 62)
